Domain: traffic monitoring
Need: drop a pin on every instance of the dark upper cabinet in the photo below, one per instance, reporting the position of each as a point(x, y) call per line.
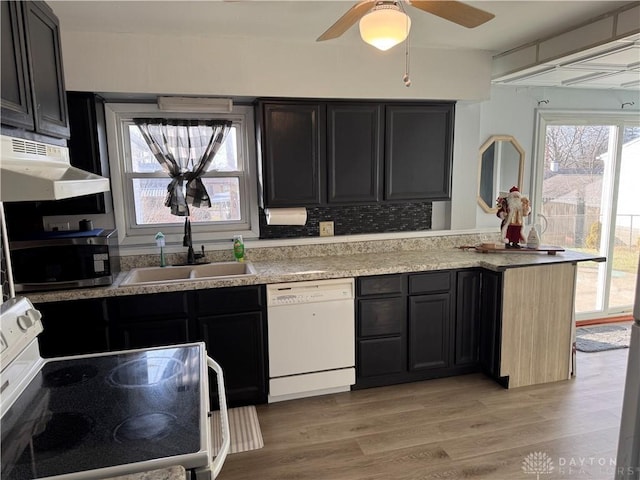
point(17, 105)
point(354, 153)
point(418, 152)
point(33, 91)
point(345, 152)
point(292, 143)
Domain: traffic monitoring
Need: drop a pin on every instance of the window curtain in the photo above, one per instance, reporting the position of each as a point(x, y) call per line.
point(185, 149)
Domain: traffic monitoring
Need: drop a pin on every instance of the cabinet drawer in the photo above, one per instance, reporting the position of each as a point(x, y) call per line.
point(381, 316)
point(430, 282)
point(380, 356)
point(380, 285)
point(141, 307)
point(229, 300)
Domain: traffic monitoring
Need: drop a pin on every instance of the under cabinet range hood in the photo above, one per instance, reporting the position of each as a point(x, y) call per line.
point(38, 171)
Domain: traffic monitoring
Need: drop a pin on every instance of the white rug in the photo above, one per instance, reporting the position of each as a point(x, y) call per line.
point(245, 430)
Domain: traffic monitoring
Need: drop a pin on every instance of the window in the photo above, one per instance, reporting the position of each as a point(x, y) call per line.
point(139, 183)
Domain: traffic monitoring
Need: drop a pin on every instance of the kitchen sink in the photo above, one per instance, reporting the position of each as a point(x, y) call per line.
point(185, 273)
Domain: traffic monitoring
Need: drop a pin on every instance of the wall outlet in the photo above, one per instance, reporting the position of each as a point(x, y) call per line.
point(326, 229)
point(58, 227)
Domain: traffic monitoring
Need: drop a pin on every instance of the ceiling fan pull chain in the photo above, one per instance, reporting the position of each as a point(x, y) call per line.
point(405, 78)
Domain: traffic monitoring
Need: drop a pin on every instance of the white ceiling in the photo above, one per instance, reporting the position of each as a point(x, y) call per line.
point(516, 23)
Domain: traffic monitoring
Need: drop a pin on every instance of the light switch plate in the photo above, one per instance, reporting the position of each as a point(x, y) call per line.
point(326, 229)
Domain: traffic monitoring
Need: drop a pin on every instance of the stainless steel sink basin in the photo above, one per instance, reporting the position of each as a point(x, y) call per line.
point(186, 273)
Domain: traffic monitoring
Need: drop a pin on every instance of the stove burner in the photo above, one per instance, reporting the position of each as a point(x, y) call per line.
point(62, 431)
point(146, 371)
point(149, 426)
point(69, 376)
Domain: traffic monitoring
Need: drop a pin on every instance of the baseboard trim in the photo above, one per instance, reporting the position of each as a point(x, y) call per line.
point(602, 321)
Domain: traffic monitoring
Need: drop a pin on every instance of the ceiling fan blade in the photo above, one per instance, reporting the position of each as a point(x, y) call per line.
point(345, 22)
point(456, 12)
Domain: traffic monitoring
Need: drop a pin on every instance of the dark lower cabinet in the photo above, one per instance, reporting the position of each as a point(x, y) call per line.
point(66, 322)
point(237, 343)
point(491, 325)
point(467, 317)
point(232, 323)
point(429, 320)
point(381, 330)
point(416, 326)
point(140, 321)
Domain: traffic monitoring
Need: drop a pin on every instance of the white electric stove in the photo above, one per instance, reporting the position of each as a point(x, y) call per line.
point(103, 415)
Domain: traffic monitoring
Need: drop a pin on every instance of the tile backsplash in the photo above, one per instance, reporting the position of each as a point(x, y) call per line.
point(353, 220)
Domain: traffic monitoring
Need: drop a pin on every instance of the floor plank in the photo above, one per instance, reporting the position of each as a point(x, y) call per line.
point(465, 427)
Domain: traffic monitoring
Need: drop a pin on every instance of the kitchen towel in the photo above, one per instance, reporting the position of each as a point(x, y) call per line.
point(286, 216)
point(245, 430)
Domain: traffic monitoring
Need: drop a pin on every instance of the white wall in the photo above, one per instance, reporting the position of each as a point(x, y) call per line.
point(148, 64)
point(144, 63)
point(512, 111)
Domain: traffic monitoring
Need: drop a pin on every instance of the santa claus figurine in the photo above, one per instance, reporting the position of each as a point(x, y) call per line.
point(512, 208)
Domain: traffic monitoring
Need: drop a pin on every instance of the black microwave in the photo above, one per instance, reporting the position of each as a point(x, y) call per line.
point(65, 259)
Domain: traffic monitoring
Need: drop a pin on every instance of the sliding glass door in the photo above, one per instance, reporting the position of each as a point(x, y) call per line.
point(587, 168)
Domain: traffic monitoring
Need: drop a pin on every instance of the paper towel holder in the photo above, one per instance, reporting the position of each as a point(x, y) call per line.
point(286, 216)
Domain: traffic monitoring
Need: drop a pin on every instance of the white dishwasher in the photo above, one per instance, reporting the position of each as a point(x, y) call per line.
point(311, 338)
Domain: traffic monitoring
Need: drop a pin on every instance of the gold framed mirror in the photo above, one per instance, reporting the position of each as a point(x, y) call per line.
point(501, 166)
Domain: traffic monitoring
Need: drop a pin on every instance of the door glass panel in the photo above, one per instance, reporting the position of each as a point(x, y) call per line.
point(572, 199)
point(587, 202)
point(626, 247)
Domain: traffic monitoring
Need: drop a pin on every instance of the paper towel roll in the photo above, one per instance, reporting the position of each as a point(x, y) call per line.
point(286, 216)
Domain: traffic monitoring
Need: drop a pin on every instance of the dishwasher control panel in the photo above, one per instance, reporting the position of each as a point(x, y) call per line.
point(310, 292)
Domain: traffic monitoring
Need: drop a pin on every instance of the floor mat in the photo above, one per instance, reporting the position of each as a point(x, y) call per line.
point(245, 430)
point(602, 337)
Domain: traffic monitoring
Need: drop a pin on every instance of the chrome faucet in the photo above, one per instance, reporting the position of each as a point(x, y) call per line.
point(187, 241)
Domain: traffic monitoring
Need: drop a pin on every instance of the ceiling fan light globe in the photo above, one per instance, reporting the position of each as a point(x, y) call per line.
point(384, 28)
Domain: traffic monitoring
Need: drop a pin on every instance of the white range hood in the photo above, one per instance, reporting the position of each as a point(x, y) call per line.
point(38, 171)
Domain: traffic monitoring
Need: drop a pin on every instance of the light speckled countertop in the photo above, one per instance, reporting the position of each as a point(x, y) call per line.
point(335, 266)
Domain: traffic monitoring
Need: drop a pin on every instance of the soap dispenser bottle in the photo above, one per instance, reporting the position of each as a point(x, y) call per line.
point(238, 248)
point(533, 240)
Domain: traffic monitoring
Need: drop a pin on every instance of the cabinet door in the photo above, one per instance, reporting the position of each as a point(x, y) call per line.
point(150, 333)
point(354, 153)
point(237, 343)
point(418, 152)
point(429, 331)
point(74, 327)
point(467, 317)
point(45, 63)
point(149, 320)
point(490, 323)
point(293, 141)
point(17, 109)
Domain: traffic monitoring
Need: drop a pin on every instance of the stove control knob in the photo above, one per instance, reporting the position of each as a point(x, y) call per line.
point(27, 320)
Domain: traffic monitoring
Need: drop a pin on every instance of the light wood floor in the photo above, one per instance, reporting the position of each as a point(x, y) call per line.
point(465, 427)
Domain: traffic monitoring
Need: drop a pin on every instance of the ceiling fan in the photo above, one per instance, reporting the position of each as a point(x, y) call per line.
point(390, 11)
